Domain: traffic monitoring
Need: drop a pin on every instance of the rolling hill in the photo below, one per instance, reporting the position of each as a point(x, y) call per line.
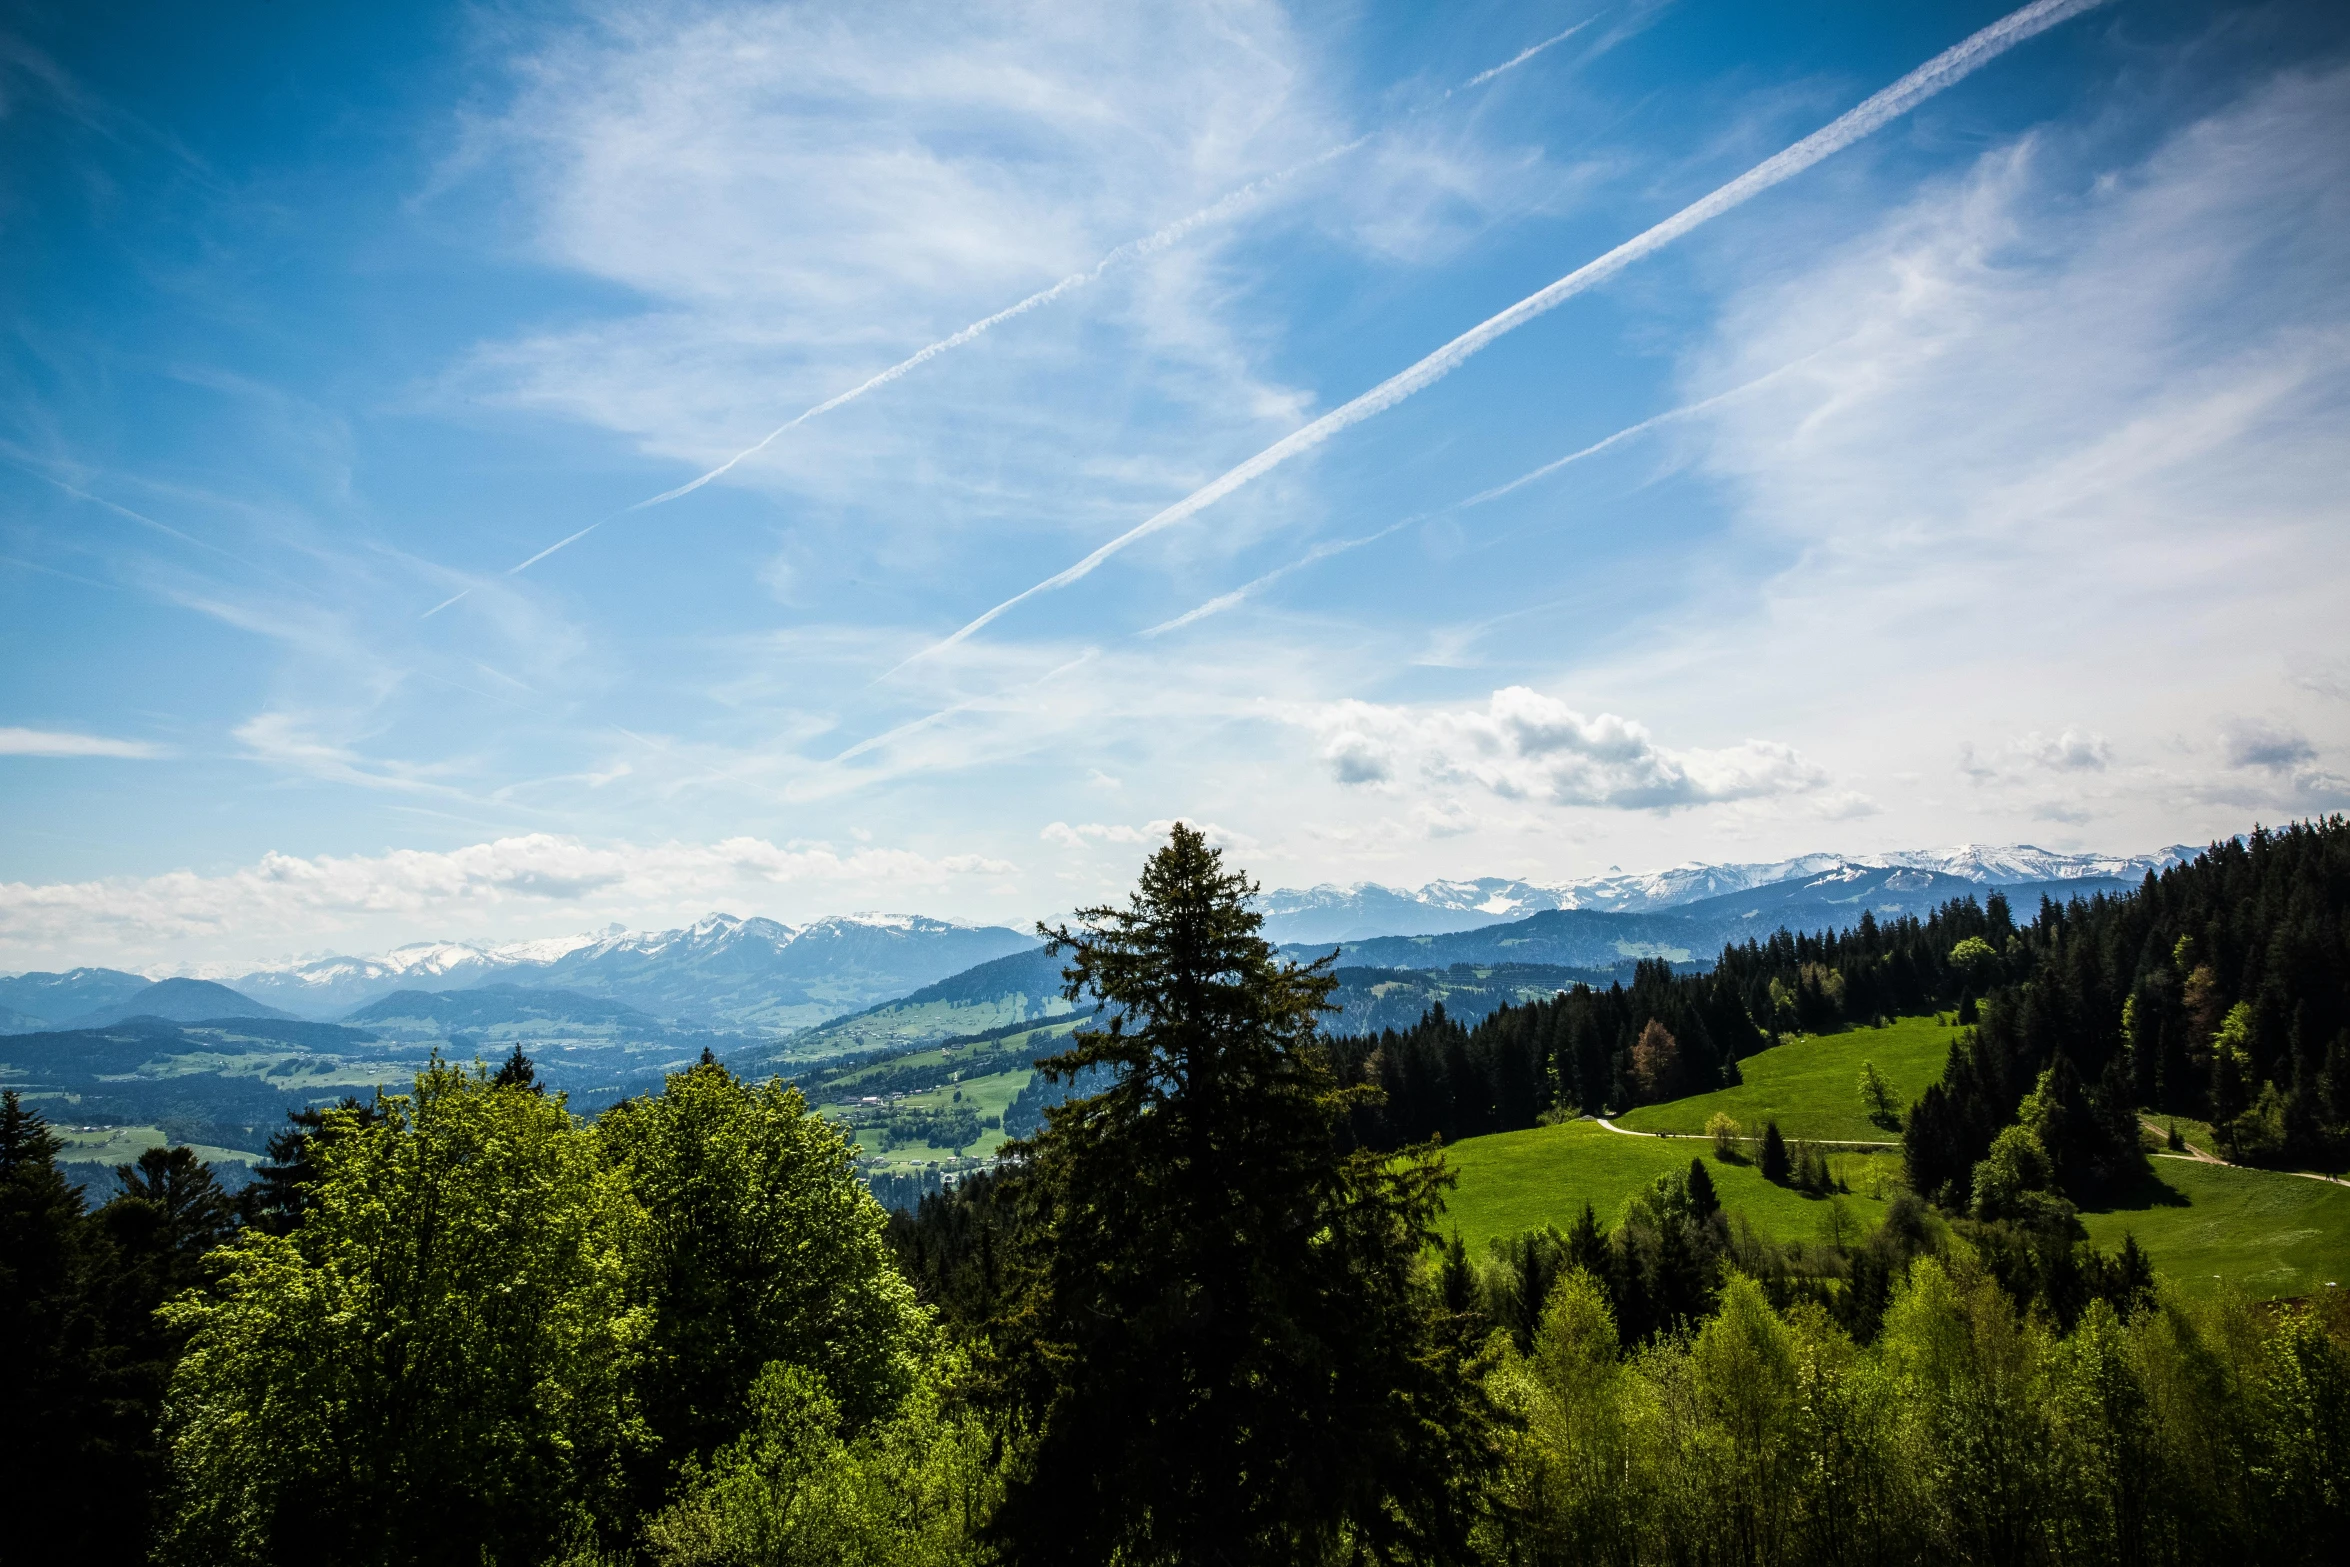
point(1019, 988)
point(179, 1001)
point(53, 998)
point(504, 1009)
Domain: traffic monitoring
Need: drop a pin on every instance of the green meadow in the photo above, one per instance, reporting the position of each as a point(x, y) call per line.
point(123, 1145)
point(990, 1095)
point(1811, 1084)
point(1514, 1181)
point(2207, 1226)
point(2264, 1231)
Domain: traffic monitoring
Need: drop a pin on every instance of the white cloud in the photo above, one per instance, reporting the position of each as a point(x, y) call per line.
point(2072, 751)
point(58, 742)
point(1150, 833)
point(536, 881)
point(800, 198)
point(2132, 529)
point(1523, 745)
point(2272, 747)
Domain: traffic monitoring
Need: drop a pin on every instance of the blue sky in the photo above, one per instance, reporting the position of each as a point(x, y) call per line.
point(1982, 482)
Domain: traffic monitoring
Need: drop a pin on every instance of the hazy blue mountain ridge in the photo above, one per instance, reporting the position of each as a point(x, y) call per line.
point(1695, 933)
point(52, 998)
point(180, 1001)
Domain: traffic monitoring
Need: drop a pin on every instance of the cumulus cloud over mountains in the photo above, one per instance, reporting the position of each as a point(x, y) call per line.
point(510, 881)
point(1523, 745)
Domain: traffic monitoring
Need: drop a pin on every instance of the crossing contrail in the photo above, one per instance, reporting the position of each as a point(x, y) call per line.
point(1319, 552)
point(1149, 244)
point(1626, 433)
point(1946, 68)
point(1322, 552)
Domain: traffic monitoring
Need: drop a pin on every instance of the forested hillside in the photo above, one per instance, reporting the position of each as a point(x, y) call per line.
point(1207, 1309)
point(2219, 989)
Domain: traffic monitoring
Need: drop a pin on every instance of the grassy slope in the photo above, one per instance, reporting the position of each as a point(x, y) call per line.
point(1811, 1084)
point(989, 1093)
point(912, 1026)
point(1515, 1181)
point(2273, 1234)
point(2270, 1233)
point(986, 1095)
point(124, 1144)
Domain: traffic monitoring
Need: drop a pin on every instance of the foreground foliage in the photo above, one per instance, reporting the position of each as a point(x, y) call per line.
point(438, 1362)
point(1970, 1432)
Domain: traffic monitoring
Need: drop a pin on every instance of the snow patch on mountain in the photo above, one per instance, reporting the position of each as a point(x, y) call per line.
point(1359, 910)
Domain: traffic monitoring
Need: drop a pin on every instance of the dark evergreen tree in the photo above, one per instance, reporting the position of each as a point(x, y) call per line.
point(519, 1071)
point(150, 1240)
point(1704, 1202)
point(82, 1353)
point(1773, 1161)
point(47, 1337)
point(274, 1201)
point(1222, 1347)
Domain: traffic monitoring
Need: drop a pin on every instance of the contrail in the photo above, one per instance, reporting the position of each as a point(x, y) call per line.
point(944, 713)
point(1626, 433)
point(1321, 552)
point(1952, 65)
point(1147, 245)
point(1521, 57)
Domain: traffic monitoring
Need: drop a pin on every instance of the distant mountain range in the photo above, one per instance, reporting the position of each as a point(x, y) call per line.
point(863, 981)
point(723, 972)
point(605, 1017)
point(177, 1001)
point(1695, 932)
point(1366, 909)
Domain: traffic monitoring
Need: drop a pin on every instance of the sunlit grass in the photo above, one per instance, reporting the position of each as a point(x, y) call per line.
point(1513, 1181)
point(1811, 1084)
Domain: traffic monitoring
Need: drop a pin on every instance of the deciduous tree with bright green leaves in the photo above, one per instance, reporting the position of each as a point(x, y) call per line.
point(436, 1366)
point(759, 1246)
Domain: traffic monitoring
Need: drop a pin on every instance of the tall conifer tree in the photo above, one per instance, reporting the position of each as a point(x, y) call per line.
point(1222, 1348)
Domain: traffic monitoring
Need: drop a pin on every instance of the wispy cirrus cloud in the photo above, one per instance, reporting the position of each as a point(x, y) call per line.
point(1879, 109)
point(66, 742)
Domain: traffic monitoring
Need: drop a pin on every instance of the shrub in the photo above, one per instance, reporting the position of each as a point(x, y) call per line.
point(1724, 1131)
point(1877, 1095)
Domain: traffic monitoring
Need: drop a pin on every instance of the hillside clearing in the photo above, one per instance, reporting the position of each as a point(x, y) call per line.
point(2268, 1232)
point(1811, 1084)
point(1513, 1181)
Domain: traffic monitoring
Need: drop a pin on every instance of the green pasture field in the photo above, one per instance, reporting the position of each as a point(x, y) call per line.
point(2270, 1233)
point(124, 1144)
point(1513, 1181)
point(1044, 1039)
point(2206, 1226)
point(1811, 1084)
point(2195, 1134)
point(990, 1095)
